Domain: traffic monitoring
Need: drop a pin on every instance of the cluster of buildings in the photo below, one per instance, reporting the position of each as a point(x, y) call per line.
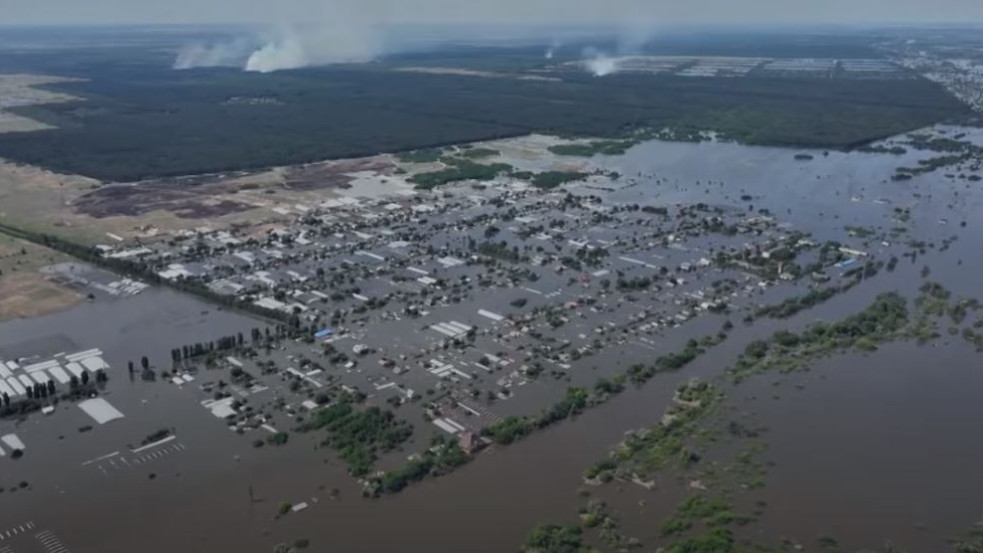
point(18, 378)
point(476, 303)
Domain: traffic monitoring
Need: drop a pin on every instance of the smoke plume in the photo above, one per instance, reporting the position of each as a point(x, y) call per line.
point(598, 63)
point(227, 54)
point(289, 47)
point(551, 50)
point(296, 47)
point(344, 34)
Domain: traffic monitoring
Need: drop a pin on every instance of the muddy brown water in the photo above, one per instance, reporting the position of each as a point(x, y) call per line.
point(879, 448)
point(886, 452)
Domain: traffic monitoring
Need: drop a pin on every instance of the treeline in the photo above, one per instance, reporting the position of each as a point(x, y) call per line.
point(792, 306)
point(442, 458)
point(797, 304)
point(225, 343)
point(548, 180)
point(578, 399)
point(423, 111)
point(640, 374)
point(590, 149)
point(786, 351)
point(231, 342)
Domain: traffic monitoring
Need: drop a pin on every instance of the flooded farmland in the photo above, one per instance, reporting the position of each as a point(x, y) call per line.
point(849, 439)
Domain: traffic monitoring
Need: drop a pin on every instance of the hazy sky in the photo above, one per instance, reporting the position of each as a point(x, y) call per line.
point(524, 11)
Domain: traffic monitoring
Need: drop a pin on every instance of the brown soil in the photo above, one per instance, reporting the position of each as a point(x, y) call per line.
point(333, 174)
point(26, 295)
point(209, 196)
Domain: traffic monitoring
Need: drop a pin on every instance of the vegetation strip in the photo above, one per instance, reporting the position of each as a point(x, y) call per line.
point(443, 457)
point(704, 522)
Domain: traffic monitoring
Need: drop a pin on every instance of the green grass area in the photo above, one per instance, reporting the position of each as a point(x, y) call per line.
point(458, 170)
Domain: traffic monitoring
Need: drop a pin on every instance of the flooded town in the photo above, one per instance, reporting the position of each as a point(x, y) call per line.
point(669, 339)
point(457, 313)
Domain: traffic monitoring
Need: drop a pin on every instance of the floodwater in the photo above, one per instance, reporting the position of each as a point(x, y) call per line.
point(883, 447)
point(890, 439)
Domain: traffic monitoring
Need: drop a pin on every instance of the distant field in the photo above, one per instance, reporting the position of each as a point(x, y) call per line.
point(21, 90)
point(143, 121)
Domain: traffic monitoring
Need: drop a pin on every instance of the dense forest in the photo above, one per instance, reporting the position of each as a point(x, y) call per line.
point(144, 120)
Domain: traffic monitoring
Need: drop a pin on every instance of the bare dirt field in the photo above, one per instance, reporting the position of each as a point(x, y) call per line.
point(88, 211)
point(24, 290)
point(29, 295)
point(208, 196)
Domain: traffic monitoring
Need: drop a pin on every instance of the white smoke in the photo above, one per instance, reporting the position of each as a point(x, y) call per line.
point(227, 54)
point(555, 45)
point(351, 37)
point(598, 63)
point(290, 47)
point(296, 47)
point(284, 53)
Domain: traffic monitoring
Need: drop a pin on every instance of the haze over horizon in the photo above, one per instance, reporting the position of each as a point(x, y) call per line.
point(655, 12)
